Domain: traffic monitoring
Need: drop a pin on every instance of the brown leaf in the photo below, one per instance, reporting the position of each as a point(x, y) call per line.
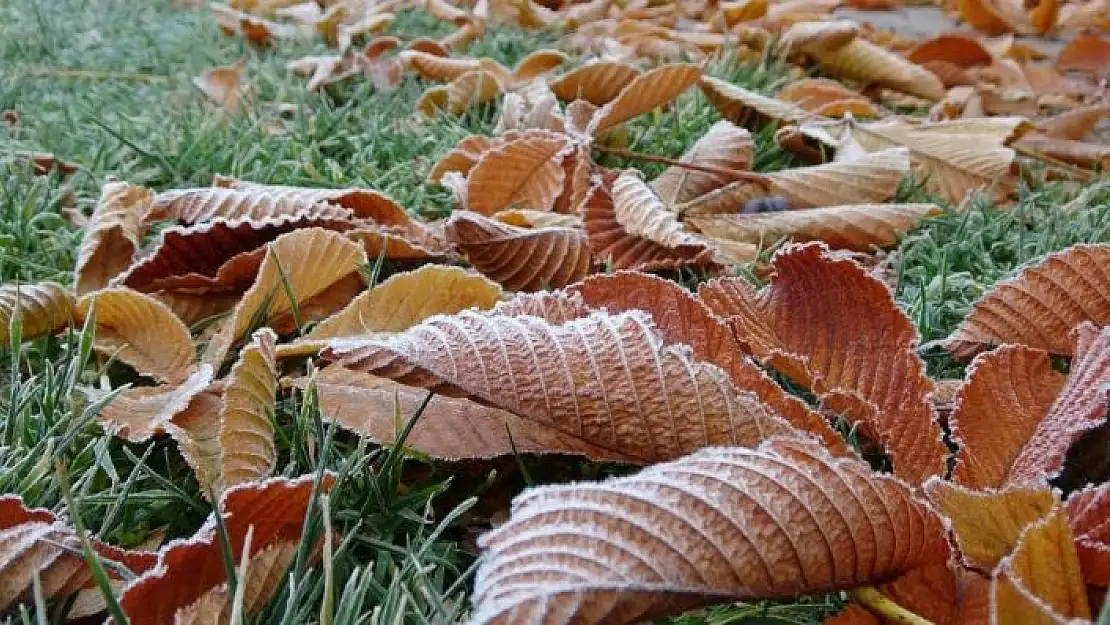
point(462, 157)
point(223, 86)
point(723, 145)
point(444, 10)
point(112, 236)
point(611, 241)
point(538, 63)
point(520, 259)
point(987, 524)
point(1041, 305)
point(1088, 511)
point(247, 451)
point(247, 200)
point(1041, 581)
point(943, 594)
point(273, 512)
point(258, 31)
point(1007, 395)
point(650, 402)
point(469, 89)
point(720, 525)
point(324, 70)
point(817, 94)
point(40, 309)
point(438, 68)
point(872, 178)
point(142, 332)
point(643, 214)
point(138, 413)
point(1087, 155)
point(35, 542)
point(683, 319)
point(526, 172)
point(956, 48)
point(598, 83)
point(984, 16)
point(527, 218)
point(644, 93)
point(832, 326)
point(860, 227)
point(1088, 52)
point(555, 307)
point(1075, 124)
point(301, 265)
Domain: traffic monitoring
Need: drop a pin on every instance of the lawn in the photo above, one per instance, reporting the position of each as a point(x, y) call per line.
point(108, 86)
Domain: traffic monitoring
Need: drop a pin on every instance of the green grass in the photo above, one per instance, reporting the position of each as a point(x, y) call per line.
point(107, 85)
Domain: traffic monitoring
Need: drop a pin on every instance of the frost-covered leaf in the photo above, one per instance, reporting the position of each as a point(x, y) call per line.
point(724, 146)
point(717, 526)
point(524, 173)
point(1089, 516)
point(597, 83)
point(112, 236)
point(751, 109)
point(644, 93)
point(40, 309)
point(139, 413)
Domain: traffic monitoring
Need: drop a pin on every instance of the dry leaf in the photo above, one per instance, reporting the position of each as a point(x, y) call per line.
point(40, 309)
point(823, 94)
point(984, 16)
point(684, 320)
point(247, 451)
point(1075, 124)
point(463, 157)
point(720, 525)
point(958, 49)
point(652, 402)
point(35, 542)
point(538, 63)
point(112, 236)
point(1041, 305)
point(470, 89)
point(520, 259)
point(943, 594)
point(611, 241)
point(526, 172)
point(142, 332)
point(436, 67)
point(555, 307)
point(1036, 438)
point(860, 227)
point(298, 265)
point(598, 83)
point(644, 93)
point(723, 145)
point(247, 200)
point(832, 326)
point(1088, 511)
point(139, 413)
point(223, 86)
point(1088, 52)
point(527, 218)
point(1083, 154)
point(273, 512)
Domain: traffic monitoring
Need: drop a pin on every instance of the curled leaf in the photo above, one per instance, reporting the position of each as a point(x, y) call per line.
point(112, 236)
point(1088, 511)
point(1041, 305)
point(470, 89)
point(139, 413)
point(658, 403)
point(644, 93)
point(723, 146)
point(749, 108)
point(39, 308)
point(258, 202)
point(597, 83)
point(520, 259)
point(720, 525)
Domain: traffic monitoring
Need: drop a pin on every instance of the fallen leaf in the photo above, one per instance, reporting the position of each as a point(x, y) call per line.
point(1088, 53)
point(138, 413)
point(469, 89)
point(860, 227)
point(943, 594)
point(37, 543)
point(520, 259)
point(555, 307)
point(463, 157)
point(246, 200)
point(658, 404)
point(724, 146)
point(598, 83)
point(612, 241)
point(39, 309)
point(223, 86)
point(444, 10)
point(436, 67)
point(324, 70)
point(526, 172)
point(258, 31)
point(142, 332)
point(1041, 305)
point(1043, 18)
point(817, 94)
point(646, 92)
point(720, 525)
point(527, 218)
point(1087, 155)
point(273, 512)
point(984, 16)
point(1075, 124)
point(684, 320)
point(538, 63)
point(247, 449)
point(829, 324)
point(1087, 512)
point(298, 265)
point(112, 236)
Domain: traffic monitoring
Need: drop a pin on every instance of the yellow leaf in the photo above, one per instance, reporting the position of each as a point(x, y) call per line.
point(142, 332)
point(112, 236)
point(247, 451)
point(300, 264)
point(40, 309)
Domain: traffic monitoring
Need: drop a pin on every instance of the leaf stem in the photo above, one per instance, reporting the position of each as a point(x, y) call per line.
point(877, 602)
point(730, 174)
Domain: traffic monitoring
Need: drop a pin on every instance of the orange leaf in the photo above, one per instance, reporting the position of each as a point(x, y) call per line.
point(520, 259)
point(1041, 581)
point(829, 324)
point(983, 16)
point(683, 319)
point(142, 332)
point(273, 512)
point(40, 309)
point(222, 85)
point(469, 89)
point(718, 526)
point(1041, 305)
point(138, 413)
point(749, 108)
point(1087, 52)
point(723, 145)
point(526, 172)
point(658, 404)
point(438, 68)
point(538, 63)
point(462, 157)
point(35, 542)
point(611, 240)
point(112, 236)
point(942, 595)
point(645, 92)
point(1043, 18)
point(597, 83)
point(1088, 511)
point(860, 227)
point(960, 50)
point(444, 10)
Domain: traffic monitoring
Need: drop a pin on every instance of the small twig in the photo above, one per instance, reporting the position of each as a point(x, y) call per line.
point(731, 174)
point(877, 602)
